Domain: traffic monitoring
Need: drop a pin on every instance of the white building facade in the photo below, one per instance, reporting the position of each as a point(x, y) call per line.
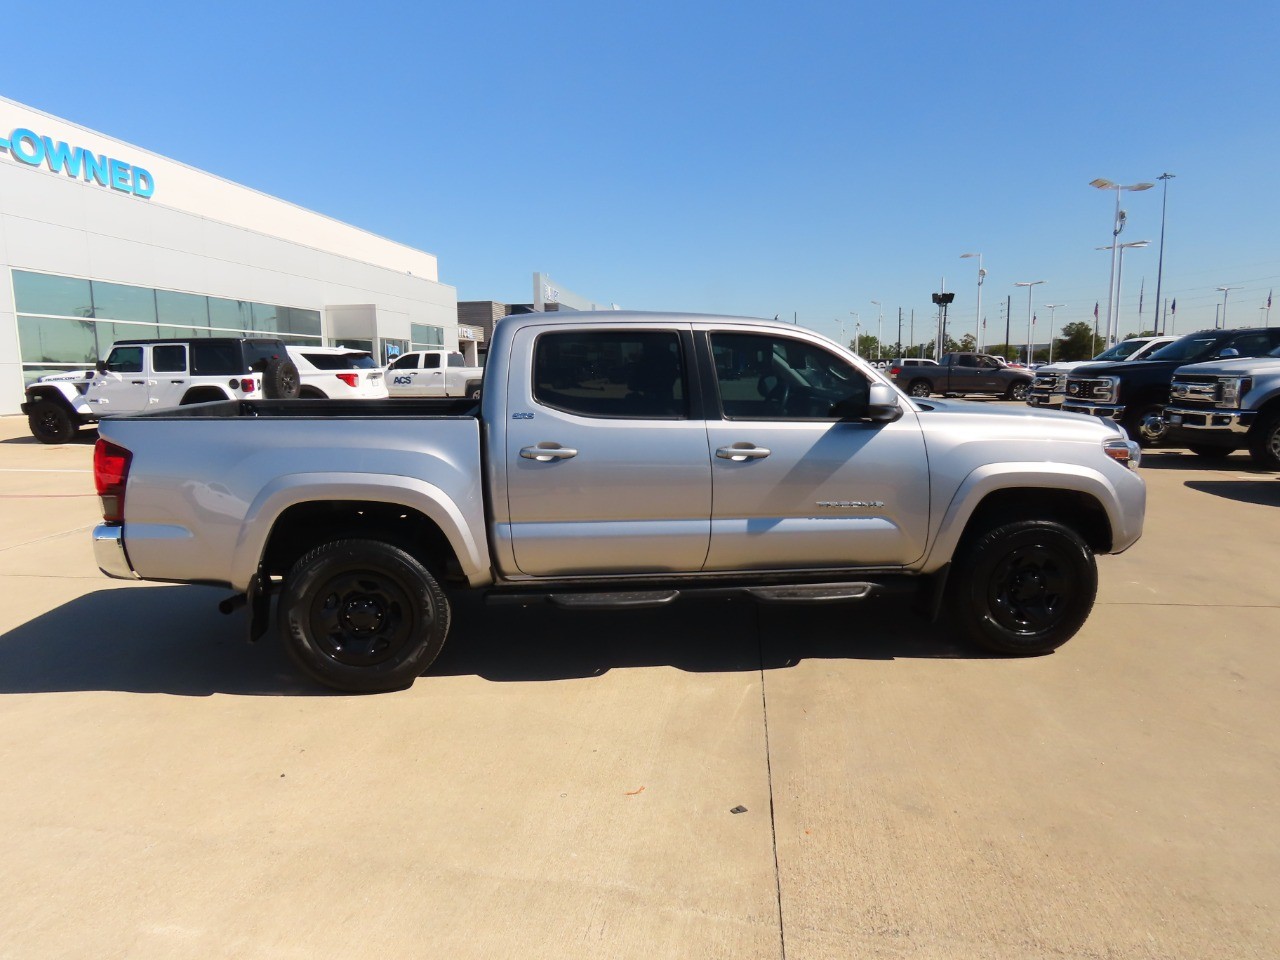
point(102, 241)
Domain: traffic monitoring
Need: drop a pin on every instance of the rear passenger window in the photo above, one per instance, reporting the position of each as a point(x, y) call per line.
point(431, 360)
point(217, 358)
point(169, 358)
point(611, 373)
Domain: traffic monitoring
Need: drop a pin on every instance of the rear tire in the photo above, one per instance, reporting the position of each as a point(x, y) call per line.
point(51, 422)
point(1023, 588)
point(362, 616)
point(919, 389)
point(280, 380)
point(1264, 441)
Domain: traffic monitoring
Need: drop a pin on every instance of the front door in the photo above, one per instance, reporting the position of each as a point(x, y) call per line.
point(794, 484)
point(606, 459)
point(122, 387)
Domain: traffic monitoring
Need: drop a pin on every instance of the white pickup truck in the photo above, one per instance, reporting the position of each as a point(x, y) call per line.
point(619, 460)
point(433, 373)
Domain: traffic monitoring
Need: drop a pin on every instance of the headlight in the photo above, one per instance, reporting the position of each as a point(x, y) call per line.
point(1233, 389)
point(1123, 451)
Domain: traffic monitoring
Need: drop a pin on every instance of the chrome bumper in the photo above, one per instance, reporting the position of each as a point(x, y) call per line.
point(1107, 411)
point(1045, 399)
point(108, 551)
point(1217, 421)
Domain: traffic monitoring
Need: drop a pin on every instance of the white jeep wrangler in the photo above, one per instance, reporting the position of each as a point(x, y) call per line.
point(140, 375)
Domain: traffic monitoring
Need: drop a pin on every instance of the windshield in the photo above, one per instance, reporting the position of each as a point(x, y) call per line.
point(1190, 349)
point(1122, 351)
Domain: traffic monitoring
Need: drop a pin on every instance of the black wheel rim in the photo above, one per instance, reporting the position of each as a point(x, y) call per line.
point(919, 390)
point(1029, 590)
point(1020, 392)
point(361, 618)
point(49, 423)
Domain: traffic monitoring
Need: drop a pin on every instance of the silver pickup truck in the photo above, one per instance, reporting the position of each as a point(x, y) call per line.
point(619, 460)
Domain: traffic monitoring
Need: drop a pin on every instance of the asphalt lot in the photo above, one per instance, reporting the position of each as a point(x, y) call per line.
point(564, 785)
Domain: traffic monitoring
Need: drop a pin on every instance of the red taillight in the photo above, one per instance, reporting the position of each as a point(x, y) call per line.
point(248, 385)
point(110, 474)
point(350, 379)
point(894, 371)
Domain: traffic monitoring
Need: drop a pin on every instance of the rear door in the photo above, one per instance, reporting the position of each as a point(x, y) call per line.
point(606, 452)
point(168, 376)
point(794, 485)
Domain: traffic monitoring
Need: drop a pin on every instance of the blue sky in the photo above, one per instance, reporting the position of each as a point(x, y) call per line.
point(745, 158)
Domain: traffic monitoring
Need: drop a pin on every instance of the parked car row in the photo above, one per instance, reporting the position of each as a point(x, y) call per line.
point(141, 375)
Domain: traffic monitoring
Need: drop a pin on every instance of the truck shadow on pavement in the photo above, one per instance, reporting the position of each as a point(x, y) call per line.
point(1264, 492)
point(172, 640)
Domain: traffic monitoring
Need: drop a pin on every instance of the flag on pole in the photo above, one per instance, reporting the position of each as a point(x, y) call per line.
point(1095, 310)
point(1141, 290)
point(1033, 319)
point(1268, 299)
point(1173, 307)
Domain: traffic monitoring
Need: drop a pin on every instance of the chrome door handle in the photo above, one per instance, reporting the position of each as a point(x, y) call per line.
point(546, 452)
point(739, 452)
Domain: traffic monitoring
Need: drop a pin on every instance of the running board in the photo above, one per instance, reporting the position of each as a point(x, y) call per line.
point(632, 599)
point(812, 592)
point(661, 597)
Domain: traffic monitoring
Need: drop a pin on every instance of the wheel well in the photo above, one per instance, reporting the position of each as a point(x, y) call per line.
point(1071, 508)
point(1272, 406)
point(52, 394)
point(201, 395)
point(311, 393)
point(305, 526)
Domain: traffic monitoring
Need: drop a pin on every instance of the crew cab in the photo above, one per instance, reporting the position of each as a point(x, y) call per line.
point(1135, 394)
point(139, 375)
point(1049, 388)
point(961, 373)
point(618, 461)
point(1218, 407)
point(433, 373)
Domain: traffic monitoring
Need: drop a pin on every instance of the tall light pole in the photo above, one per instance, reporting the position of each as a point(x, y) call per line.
point(879, 326)
point(1164, 204)
point(857, 325)
point(1029, 284)
point(1052, 307)
point(1117, 226)
point(1120, 248)
point(977, 323)
point(1225, 291)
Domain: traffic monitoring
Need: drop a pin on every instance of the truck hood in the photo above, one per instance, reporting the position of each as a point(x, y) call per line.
point(1237, 367)
point(1060, 367)
point(1123, 367)
point(1024, 421)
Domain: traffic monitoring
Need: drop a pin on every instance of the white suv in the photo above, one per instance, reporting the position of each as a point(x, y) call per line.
point(339, 373)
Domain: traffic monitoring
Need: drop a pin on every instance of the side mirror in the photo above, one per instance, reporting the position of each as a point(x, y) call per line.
point(1229, 352)
point(101, 366)
point(882, 404)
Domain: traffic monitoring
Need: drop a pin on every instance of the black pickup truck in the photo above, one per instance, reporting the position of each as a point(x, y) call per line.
point(1135, 394)
point(960, 373)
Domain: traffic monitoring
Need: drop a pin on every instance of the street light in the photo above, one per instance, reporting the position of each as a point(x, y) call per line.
point(1225, 291)
point(977, 323)
point(879, 327)
point(857, 325)
point(1052, 307)
point(1112, 335)
point(1118, 225)
point(1164, 203)
point(1028, 284)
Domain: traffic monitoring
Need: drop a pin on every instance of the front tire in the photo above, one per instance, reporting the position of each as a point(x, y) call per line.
point(1023, 588)
point(1146, 424)
point(1264, 442)
point(51, 422)
point(1017, 391)
point(362, 616)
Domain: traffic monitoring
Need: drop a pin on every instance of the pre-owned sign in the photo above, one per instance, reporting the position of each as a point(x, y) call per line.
point(28, 147)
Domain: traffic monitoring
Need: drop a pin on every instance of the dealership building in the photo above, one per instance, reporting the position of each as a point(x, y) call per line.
point(102, 241)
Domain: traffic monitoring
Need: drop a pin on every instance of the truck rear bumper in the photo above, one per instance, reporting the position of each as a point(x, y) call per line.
point(108, 551)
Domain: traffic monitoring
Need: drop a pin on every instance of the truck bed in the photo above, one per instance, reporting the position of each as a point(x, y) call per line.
point(390, 409)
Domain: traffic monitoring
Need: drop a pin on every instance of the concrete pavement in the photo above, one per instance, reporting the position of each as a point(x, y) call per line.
point(563, 785)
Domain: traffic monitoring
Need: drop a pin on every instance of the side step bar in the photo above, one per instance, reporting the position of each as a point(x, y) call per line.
point(638, 599)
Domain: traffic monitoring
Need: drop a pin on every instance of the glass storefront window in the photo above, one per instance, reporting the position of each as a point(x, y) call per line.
point(264, 318)
point(365, 345)
point(230, 314)
point(392, 349)
point(182, 309)
point(45, 293)
point(109, 333)
point(304, 322)
point(425, 336)
point(115, 301)
point(56, 341)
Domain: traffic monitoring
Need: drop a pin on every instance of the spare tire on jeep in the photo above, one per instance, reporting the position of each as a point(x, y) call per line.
point(280, 379)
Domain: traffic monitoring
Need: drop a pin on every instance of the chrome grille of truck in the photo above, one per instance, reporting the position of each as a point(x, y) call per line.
point(1195, 390)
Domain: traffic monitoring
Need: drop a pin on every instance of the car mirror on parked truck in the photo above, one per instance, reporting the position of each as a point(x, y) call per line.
point(882, 404)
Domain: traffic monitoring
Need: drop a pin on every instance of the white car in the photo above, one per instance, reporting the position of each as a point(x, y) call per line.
point(338, 373)
point(434, 373)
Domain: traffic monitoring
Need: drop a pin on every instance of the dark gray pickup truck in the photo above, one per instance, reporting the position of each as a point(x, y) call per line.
point(961, 373)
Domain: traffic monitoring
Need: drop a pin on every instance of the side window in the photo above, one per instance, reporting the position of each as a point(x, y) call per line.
point(431, 360)
point(408, 362)
point(124, 360)
point(1252, 344)
point(215, 358)
point(966, 361)
point(988, 364)
point(611, 373)
point(769, 377)
point(169, 358)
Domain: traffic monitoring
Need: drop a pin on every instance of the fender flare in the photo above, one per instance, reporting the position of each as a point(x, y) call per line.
point(294, 489)
point(994, 477)
point(63, 392)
